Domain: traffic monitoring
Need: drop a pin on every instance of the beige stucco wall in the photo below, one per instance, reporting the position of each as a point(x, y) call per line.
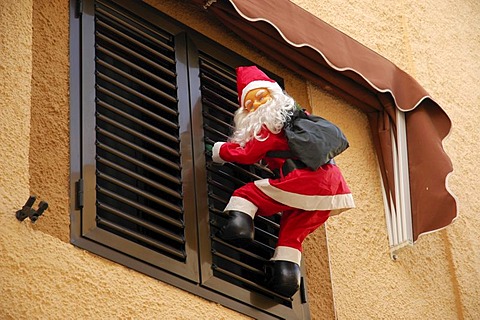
point(438, 43)
point(49, 135)
point(43, 276)
point(15, 93)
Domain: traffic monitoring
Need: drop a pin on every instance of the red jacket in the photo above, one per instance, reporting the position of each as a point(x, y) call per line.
point(323, 189)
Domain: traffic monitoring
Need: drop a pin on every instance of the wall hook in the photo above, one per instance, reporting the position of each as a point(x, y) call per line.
point(28, 212)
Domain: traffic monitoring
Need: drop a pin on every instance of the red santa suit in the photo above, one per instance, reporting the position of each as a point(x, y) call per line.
point(305, 197)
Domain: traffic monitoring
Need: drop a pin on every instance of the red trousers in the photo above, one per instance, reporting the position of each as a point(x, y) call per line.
point(295, 224)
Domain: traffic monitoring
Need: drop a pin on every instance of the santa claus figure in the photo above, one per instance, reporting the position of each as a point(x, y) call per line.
point(305, 197)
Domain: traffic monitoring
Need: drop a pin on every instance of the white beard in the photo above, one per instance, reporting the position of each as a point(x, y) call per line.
point(273, 114)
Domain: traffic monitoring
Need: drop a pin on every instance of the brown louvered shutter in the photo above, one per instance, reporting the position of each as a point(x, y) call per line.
point(238, 272)
point(152, 92)
point(136, 164)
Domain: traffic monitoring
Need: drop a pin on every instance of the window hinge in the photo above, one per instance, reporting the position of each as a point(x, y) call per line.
point(303, 291)
point(78, 8)
point(79, 194)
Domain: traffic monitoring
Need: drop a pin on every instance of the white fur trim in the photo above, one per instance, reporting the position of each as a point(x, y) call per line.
point(243, 205)
point(287, 254)
point(259, 84)
point(306, 202)
point(216, 153)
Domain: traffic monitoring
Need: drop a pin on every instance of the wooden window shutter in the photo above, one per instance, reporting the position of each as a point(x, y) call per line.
point(237, 272)
point(151, 93)
point(134, 160)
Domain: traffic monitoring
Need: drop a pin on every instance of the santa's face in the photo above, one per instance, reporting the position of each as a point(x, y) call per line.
point(255, 98)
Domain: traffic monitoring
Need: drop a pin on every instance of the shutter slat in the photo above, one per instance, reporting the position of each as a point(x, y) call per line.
point(140, 164)
point(239, 263)
point(137, 94)
point(133, 41)
point(249, 283)
point(221, 186)
point(142, 123)
point(142, 223)
point(140, 237)
point(139, 135)
point(136, 67)
point(133, 204)
point(217, 122)
point(151, 115)
point(135, 80)
point(210, 95)
point(211, 82)
point(133, 54)
point(224, 175)
point(219, 109)
point(213, 67)
point(138, 148)
point(138, 177)
point(139, 192)
point(129, 21)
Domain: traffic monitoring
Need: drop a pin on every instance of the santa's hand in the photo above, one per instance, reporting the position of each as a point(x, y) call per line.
point(208, 148)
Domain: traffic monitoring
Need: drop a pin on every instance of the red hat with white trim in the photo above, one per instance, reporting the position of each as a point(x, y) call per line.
point(249, 78)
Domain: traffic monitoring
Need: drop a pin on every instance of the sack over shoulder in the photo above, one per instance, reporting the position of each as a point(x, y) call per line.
point(313, 139)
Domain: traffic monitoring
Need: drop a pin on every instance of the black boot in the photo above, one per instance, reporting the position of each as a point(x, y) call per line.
point(238, 230)
point(282, 277)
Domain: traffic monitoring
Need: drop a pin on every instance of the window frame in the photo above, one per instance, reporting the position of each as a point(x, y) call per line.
point(84, 235)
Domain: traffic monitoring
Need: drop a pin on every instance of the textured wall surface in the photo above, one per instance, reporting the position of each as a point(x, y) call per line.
point(438, 43)
point(49, 135)
point(15, 93)
point(43, 276)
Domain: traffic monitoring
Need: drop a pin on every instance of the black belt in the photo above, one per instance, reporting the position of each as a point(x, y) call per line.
point(292, 164)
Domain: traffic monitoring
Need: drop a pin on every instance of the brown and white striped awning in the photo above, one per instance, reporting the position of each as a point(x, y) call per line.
point(339, 64)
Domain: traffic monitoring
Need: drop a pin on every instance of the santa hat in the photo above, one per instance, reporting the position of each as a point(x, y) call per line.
point(249, 78)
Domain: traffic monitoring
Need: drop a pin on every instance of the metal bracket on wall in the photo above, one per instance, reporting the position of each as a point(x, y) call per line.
point(28, 212)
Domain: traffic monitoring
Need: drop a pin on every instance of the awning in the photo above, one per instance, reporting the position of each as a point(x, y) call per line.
point(346, 68)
